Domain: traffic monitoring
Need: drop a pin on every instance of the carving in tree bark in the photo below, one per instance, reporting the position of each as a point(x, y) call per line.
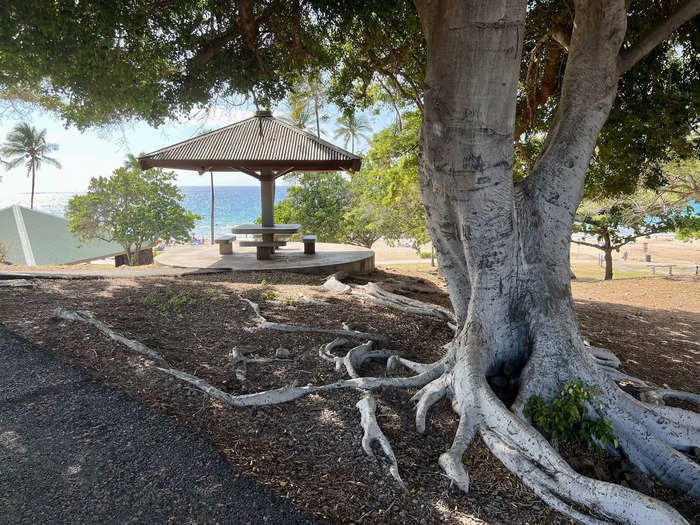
point(504, 248)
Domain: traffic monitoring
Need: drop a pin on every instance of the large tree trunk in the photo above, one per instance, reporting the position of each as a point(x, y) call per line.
point(504, 250)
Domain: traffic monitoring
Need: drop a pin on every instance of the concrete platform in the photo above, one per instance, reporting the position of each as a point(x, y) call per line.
point(327, 259)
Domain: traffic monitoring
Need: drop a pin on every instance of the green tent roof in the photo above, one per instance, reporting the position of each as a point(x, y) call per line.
point(37, 238)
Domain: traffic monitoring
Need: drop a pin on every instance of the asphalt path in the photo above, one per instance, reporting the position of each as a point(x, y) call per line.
point(74, 450)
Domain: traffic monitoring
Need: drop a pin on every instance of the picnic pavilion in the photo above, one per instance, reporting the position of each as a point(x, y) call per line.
point(265, 148)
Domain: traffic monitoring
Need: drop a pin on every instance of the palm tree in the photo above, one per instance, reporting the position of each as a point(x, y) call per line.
point(351, 126)
point(299, 113)
point(26, 144)
point(316, 93)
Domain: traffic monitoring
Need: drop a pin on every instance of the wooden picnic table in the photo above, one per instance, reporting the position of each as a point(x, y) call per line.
point(265, 248)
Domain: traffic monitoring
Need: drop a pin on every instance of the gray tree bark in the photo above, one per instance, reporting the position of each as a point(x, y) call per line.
point(504, 250)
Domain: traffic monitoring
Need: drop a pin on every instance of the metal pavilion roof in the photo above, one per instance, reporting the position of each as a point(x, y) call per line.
point(36, 238)
point(258, 143)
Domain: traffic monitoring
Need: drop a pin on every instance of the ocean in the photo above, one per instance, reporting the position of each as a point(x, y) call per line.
point(232, 205)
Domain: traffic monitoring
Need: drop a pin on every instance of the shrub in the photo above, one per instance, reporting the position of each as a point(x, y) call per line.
point(564, 418)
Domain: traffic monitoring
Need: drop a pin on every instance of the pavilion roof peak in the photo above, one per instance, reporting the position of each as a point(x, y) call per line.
point(261, 142)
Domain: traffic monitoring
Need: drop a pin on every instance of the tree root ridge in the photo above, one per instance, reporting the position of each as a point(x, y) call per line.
point(281, 327)
point(657, 396)
point(374, 293)
point(530, 457)
point(650, 433)
point(368, 420)
point(85, 317)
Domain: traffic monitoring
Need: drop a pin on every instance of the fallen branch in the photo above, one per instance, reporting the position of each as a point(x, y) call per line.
point(84, 317)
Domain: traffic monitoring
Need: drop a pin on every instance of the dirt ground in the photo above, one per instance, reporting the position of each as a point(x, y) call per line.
point(309, 450)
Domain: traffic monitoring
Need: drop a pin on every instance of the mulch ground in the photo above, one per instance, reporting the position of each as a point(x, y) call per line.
point(309, 450)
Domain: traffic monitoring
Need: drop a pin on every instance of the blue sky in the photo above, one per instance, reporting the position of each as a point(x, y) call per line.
point(96, 152)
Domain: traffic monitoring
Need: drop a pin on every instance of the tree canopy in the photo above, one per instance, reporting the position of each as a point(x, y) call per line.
point(97, 63)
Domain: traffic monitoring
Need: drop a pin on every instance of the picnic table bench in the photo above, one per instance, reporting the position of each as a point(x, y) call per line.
point(309, 244)
point(655, 266)
point(225, 243)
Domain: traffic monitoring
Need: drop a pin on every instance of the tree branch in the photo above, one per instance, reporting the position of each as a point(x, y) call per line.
point(629, 57)
point(588, 90)
point(583, 243)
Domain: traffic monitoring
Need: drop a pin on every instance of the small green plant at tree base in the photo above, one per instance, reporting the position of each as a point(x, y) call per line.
point(182, 300)
point(269, 294)
point(564, 418)
point(3, 252)
point(150, 302)
point(172, 302)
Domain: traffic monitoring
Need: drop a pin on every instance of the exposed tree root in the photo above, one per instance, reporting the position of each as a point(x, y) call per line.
point(314, 302)
point(238, 361)
point(609, 363)
point(334, 285)
point(650, 434)
point(426, 397)
point(530, 457)
point(85, 317)
point(604, 357)
point(359, 355)
point(451, 461)
point(621, 377)
point(326, 352)
point(379, 338)
point(281, 327)
point(374, 293)
point(368, 419)
point(657, 397)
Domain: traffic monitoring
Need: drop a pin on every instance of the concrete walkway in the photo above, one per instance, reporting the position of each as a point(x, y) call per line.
point(73, 450)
